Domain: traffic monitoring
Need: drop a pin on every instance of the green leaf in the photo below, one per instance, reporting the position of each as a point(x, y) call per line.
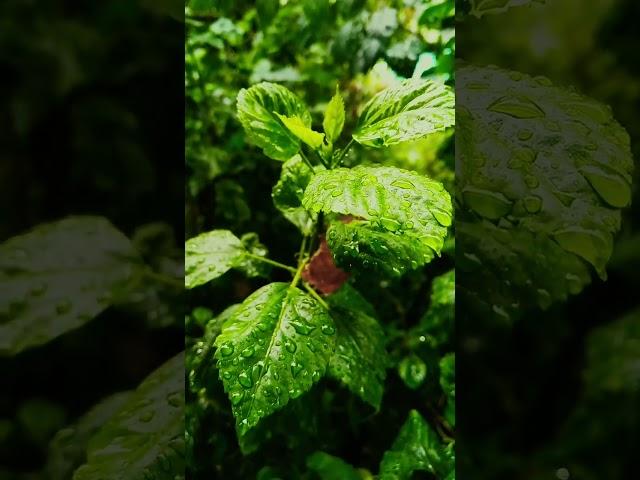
point(417, 447)
point(273, 349)
point(212, 254)
point(411, 110)
point(296, 126)
point(545, 187)
point(59, 276)
point(388, 204)
point(361, 245)
point(145, 439)
point(67, 450)
point(360, 359)
point(288, 192)
point(328, 467)
point(333, 122)
point(258, 109)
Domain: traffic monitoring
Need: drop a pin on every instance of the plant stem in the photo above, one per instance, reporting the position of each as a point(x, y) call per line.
point(271, 262)
point(343, 152)
point(306, 159)
point(296, 277)
point(316, 296)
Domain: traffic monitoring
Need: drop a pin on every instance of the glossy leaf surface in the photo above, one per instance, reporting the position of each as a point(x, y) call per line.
point(540, 165)
point(288, 192)
point(274, 347)
point(297, 126)
point(401, 217)
point(145, 439)
point(360, 359)
point(258, 109)
point(212, 254)
point(59, 276)
point(411, 110)
point(417, 447)
point(333, 122)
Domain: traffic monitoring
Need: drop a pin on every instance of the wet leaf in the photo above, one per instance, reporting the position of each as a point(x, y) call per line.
point(145, 439)
point(258, 109)
point(541, 165)
point(360, 358)
point(411, 110)
point(333, 122)
point(297, 126)
point(212, 254)
point(59, 276)
point(417, 447)
point(288, 192)
point(274, 347)
point(401, 217)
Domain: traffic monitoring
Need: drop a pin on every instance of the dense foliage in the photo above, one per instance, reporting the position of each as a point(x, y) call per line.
point(321, 320)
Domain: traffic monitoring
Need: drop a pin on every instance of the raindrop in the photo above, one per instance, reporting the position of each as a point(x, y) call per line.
point(248, 352)
point(226, 350)
point(302, 328)
point(296, 368)
point(236, 398)
point(491, 205)
point(245, 380)
point(64, 306)
point(175, 399)
point(290, 346)
point(516, 106)
point(442, 218)
point(39, 289)
point(146, 417)
point(533, 204)
point(611, 188)
point(525, 135)
point(328, 329)
point(404, 184)
point(390, 224)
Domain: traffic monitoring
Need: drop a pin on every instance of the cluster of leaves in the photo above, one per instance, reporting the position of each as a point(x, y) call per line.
point(293, 55)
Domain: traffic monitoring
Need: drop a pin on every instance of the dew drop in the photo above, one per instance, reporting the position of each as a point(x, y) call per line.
point(236, 398)
point(290, 346)
point(64, 306)
point(328, 329)
point(248, 352)
point(404, 184)
point(245, 380)
point(146, 417)
point(175, 399)
point(517, 106)
point(533, 204)
point(302, 328)
point(296, 368)
point(390, 224)
point(226, 350)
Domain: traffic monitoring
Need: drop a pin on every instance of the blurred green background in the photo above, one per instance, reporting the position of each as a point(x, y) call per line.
point(91, 117)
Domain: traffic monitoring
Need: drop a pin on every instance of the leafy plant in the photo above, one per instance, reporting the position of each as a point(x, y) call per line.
point(357, 221)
